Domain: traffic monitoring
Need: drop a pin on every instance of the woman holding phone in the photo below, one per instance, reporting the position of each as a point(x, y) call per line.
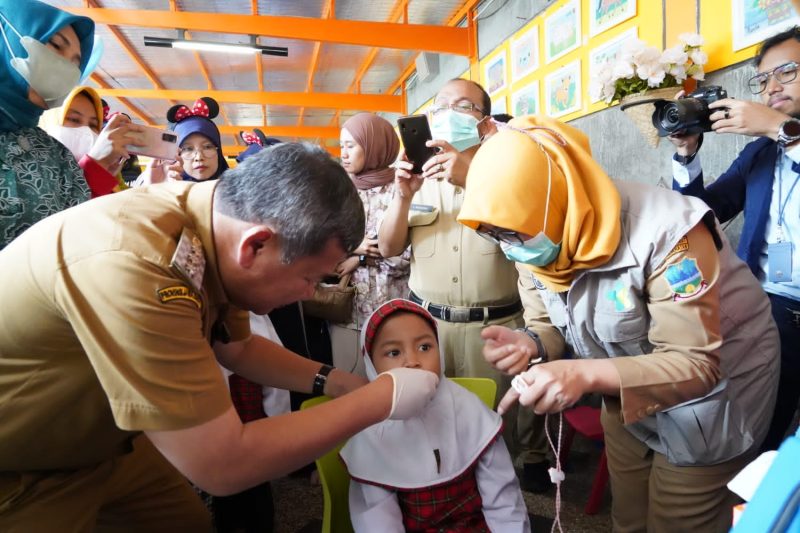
point(199, 156)
point(369, 146)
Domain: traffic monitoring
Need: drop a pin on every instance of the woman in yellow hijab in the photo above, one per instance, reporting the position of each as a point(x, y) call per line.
point(632, 292)
point(78, 125)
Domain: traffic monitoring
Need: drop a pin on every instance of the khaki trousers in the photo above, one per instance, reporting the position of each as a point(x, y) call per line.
point(136, 492)
point(650, 494)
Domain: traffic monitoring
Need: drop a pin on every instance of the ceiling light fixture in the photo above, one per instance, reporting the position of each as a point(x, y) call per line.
point(209, 46)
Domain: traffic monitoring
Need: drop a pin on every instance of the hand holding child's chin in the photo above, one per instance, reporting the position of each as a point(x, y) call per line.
point(413, 389)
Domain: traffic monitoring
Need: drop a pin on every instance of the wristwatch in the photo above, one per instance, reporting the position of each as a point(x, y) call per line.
point(320, 380)
point(789, 131)
point(542, 352)
point(362, 260)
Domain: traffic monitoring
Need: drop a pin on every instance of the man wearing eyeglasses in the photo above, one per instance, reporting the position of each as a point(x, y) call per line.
point(461, 279)
point(762, 182)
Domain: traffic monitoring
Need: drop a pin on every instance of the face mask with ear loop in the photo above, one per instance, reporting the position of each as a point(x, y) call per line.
point(540, 250)
point(79, 141)
point(47, 73)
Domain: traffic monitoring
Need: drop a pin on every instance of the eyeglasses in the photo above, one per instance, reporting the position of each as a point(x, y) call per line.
point(784, 74)
point(207, 150)
point(497, 236)
point(460, 107)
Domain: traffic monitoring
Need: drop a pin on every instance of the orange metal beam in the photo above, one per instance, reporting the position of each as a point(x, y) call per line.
point(455, 18)
point(124, 101)
point(442, 39)
point(367, 102)
point(327, 12)
point(233, 151)
point(400, 9)
point(259, 68)
point(306, 132)
point(125, 43)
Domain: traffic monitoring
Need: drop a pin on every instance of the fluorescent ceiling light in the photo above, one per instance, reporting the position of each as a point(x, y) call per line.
point(208, 46)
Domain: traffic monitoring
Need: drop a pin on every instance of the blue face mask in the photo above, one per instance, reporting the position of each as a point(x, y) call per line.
point(540, 250)
point(458, 129)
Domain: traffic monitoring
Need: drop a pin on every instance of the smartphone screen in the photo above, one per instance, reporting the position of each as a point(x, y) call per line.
point(415, 132)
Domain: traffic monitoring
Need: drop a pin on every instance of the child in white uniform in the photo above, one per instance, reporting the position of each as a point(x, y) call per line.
point(445, 470)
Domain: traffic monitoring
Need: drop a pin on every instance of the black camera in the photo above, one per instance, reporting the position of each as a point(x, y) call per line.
point(689, 114)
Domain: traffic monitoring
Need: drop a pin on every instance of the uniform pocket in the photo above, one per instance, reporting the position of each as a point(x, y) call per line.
point(705, 430)
point(423, 233)
point(620, 327)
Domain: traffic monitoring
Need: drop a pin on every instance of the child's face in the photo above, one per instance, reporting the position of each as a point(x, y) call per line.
point(406, 340)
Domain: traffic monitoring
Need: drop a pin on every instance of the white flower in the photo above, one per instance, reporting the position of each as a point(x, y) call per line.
point(678, 72)
point(631, 48)
point(691, 39)
point(622, 69)
point(654, 73)
point(597, 89)
point(674, 56)
point(698, 57)
point(647, 57)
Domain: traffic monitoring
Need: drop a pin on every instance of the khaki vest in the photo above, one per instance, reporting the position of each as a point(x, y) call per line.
point(734, 416)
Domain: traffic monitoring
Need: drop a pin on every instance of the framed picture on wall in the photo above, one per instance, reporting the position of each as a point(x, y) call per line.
point(608, 52)
point(755, 21)
point(525, 101)
point(562, 31)
point(605, 14)
point(494, 73)
point(525, 54)
point(499, 105)
point(563, 90)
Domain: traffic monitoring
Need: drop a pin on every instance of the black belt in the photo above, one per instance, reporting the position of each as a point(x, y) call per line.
point(450, 313)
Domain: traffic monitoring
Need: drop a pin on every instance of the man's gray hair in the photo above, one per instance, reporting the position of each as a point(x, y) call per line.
point(301, 191)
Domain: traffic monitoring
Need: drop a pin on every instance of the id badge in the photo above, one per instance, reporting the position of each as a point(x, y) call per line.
point(779, 260)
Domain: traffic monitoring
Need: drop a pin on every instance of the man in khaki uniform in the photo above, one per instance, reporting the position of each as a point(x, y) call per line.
point(116, 315)
point(463, 280)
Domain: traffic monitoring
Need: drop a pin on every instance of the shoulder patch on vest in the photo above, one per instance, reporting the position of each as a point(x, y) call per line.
point(179, 292)
point(684, 279)
point(538, 284)
point(682, 246)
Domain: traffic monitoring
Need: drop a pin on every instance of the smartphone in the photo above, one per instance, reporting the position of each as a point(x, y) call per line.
point(415, 132)
point(155, 143)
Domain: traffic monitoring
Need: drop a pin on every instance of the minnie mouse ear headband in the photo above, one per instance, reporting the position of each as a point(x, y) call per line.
point(196, 119)
point(255, 141)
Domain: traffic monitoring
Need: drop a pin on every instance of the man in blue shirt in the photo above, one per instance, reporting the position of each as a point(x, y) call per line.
point(762, 182)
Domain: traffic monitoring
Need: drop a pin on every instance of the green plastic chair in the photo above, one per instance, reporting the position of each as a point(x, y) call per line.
point(333, 475)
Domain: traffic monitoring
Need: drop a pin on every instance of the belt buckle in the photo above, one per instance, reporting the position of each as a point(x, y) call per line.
point(458, 314)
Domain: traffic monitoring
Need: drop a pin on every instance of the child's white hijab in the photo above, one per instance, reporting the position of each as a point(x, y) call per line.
point(437, 446)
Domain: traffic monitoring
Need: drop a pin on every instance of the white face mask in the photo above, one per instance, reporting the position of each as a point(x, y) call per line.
point(77, 140)
point(47, 73)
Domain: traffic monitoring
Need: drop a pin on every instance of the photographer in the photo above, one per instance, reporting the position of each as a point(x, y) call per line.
point(761, 181)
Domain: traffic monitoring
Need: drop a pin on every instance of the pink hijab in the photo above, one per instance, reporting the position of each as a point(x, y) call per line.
point(381, 146)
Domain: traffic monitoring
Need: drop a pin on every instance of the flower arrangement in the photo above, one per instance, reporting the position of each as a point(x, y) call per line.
point(640, 67)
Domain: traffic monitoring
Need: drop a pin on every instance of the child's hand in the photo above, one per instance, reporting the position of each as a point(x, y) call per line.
point(413, 389)
point(507, 350)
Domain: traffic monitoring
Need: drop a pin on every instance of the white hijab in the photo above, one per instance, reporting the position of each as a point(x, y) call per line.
point(440, 444)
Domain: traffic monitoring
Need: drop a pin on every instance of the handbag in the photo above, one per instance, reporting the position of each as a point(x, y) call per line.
point(332, 302)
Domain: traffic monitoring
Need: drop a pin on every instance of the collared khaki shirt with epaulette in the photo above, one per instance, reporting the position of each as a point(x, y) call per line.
point(106, 331)
point(450, 263)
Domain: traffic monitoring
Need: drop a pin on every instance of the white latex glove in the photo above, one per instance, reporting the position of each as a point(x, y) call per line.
point(413, 389)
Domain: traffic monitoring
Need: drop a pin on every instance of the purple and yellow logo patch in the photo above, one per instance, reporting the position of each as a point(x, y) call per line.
point(685, 278)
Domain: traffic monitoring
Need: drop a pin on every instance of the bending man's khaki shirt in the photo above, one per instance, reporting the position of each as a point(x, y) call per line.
point(101, 337)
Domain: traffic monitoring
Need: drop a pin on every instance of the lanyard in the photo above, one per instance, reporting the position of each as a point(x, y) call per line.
point(783, 203)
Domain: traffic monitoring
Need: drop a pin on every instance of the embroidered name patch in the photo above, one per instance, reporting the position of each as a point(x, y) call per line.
point(179, 292)
point(684, 279)
point(682, 246)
